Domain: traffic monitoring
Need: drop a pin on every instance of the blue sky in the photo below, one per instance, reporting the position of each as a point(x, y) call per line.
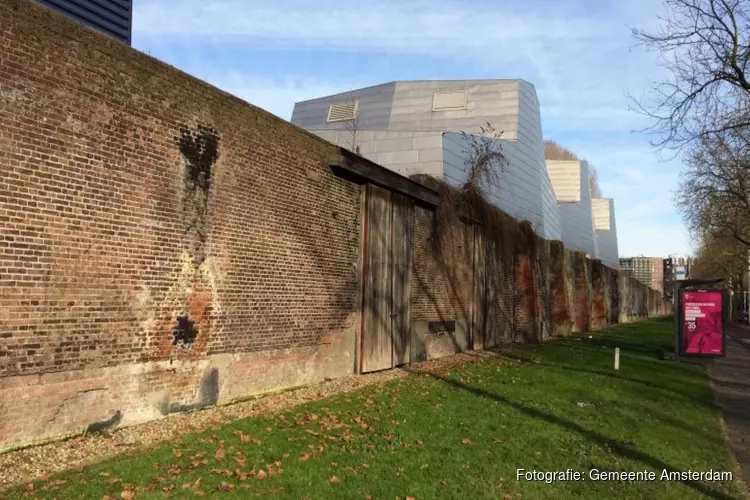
point(579, 55)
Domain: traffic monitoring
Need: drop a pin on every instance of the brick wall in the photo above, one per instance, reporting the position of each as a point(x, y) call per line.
point(166, 246)
point(598, 295)
point(442, 276)
point(132, 194)
point(561, 313)
point(543, 289)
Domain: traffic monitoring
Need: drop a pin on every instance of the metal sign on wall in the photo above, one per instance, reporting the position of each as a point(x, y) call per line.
point(701, 323)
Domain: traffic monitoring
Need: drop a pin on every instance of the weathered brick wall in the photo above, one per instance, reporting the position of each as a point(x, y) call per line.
point(527, 314)
point(598, 295)
point(561, 310)
point(132, 194)
point(581, 291)
point(166, 246)
point(543, 278)
point(442, 280)
point(505, 293)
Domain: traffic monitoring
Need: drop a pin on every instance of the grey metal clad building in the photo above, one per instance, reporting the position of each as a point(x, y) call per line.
point(111, 17)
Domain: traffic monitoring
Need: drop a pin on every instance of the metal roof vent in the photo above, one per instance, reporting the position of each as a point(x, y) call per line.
point(342, 111)
point(446, 100)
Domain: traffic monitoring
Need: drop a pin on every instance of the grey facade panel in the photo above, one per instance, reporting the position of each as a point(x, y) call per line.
point(111, 17)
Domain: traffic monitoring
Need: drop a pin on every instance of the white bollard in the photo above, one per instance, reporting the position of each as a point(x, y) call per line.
point(617, 358)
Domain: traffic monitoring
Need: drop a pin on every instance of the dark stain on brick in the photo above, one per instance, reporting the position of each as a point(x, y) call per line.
point(185, 332)
point(208, 396)
point(201, 150)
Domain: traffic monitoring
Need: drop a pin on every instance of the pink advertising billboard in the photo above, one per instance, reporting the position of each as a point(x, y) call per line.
point(702, 323)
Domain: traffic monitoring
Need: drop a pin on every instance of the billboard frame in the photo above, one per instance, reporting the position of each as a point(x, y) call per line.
point(698, 285)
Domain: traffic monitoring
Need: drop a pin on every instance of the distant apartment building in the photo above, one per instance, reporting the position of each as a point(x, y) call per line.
point(111, 17)
point(418, 127)
point(647, 270)
point(626, 266)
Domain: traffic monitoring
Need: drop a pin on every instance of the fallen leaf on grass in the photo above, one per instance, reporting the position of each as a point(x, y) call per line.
point(334, 479)
point(127, 495)
point(495, 441)
point(466, 441)
point(261, 474)
point(104, 474)
point(304, 457)
point(178, 453)
point(224, 486)
point(240, 459)
point(220, 454)
point(409, 498)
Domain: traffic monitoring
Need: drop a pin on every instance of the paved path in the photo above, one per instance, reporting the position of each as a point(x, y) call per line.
point(731, 382)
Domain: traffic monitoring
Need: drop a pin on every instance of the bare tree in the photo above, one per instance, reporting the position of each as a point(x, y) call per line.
point(352, 126)
point(485, 160)
point(714, 194)
point(596, 192)
point(720, 257)
point(705, 49)
point(555, 151)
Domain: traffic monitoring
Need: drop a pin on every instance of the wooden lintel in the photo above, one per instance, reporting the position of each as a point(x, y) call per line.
point(381, 176)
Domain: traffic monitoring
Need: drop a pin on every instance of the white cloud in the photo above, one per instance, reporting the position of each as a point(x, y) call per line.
point(579, 55)
point(384, 25)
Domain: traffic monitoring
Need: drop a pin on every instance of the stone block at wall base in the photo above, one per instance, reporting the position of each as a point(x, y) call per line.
point(564, 330)
point(528, 333)
point(38, 408)
point(426, 345)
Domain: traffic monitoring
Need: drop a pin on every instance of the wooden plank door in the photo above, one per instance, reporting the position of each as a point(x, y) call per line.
point(402, 223)
point(484, 327)
point(491, 335)
point(480, 283)
point(377, 339)
point(386, 311)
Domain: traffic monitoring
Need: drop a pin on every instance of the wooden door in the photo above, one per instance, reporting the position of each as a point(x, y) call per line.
point(402, 222)
point(384, 341)
point(484, 324)
point(491, 334)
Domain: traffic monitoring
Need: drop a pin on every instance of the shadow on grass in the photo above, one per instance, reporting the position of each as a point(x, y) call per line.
point(621, 449)
point(615, 376)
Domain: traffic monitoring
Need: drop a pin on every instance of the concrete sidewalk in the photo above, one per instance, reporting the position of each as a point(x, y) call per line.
point(731, 382)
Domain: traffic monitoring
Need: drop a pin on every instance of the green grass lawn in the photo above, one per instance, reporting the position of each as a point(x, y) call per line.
point(461, 434)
